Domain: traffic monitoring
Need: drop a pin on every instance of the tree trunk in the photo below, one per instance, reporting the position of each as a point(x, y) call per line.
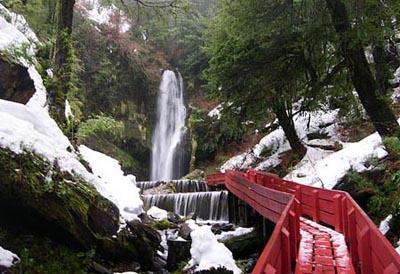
point(382, 72)
point(62, 55)
point(287, 125)
point(363, 80)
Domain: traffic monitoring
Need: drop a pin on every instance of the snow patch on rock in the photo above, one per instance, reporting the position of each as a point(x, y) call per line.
point(7, 258)
point(157, 213)
point(115, 186)
point(329, 170)
point(276, 141)
point(207, 252)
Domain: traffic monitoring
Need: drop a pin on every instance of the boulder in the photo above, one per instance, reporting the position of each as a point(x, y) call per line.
point(174, 218)
point(196, 174)
point(178, 251)
point(15, 82)
point(184, 231)
point(70, 210)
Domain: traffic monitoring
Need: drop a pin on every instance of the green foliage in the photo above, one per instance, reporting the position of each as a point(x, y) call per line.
point(100, 125)
point(43, 256)
point(212, 134)
point(392, 144)
point(384, 198)
point(164, 224)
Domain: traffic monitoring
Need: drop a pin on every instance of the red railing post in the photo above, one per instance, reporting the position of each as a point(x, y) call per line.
point(352, 235)
point(286, 252)
point(337, 199)
point(364, 248)
point(316, 205)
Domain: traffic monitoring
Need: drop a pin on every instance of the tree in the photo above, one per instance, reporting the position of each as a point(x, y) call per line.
point(361, 75)
point(258, 67)
point(63, 58)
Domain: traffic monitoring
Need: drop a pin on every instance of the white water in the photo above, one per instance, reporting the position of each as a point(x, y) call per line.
point(211, 205)
point(166, 160)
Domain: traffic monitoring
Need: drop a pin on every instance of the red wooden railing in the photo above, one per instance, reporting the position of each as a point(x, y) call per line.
point(284, 202)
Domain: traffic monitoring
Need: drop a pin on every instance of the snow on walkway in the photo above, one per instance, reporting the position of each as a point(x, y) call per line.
point(322, 250)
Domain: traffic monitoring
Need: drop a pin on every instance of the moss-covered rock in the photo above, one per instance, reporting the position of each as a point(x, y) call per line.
point(244, 245)
point(70, 210)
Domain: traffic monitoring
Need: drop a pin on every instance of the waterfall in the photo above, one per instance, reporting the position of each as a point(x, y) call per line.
point(179, 185)
point(167, 157)
point(212, 205)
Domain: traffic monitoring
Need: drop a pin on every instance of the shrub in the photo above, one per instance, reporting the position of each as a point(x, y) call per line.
point(101, 126)
point(392, 144)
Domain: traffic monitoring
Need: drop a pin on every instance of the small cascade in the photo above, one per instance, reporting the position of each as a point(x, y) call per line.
point(181, 186)
point(210, 205)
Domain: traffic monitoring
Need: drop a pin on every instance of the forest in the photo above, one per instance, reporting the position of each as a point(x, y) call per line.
point(199, 136)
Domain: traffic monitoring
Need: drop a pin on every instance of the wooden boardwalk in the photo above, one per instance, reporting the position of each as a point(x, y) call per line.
point(301, 241)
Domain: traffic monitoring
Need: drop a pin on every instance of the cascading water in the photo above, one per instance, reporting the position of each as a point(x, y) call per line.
point(211, 205)
point(167, 158)
point(180, 186)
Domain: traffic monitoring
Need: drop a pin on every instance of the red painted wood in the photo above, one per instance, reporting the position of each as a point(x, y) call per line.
point(283, 202)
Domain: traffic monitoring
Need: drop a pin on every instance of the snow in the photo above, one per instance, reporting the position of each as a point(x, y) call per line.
point(30, 128)
point(239, 231)
point(207, 252)
point(309, 229)
point(323, 121)
point(384, 225)
point(117, 187)
point(7, 258)
point(20, 23)
point(68, 110)
point(14, 30)
point(103, 15)
point(216, 112)
point(329, 170)
point(157, 213)
point(15, 34)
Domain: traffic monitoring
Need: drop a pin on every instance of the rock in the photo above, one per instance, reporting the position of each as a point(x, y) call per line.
point(244, 245)
point(70, 210)
point(196, 174)
point(146, 219)
point(164, 224)
point(184, 231)
point(15, 82)
point(127, 267)
point(159, 263)
point(219, 270)
point(174, 218)
point(163, 188)
point(178, 251)
point(216, 229)
point(98, 268)
point(227, 227)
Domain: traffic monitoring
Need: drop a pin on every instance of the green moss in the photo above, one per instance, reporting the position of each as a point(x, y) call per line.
point(164, 224)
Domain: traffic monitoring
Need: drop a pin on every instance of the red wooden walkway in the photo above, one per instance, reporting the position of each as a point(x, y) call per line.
point(354, 245)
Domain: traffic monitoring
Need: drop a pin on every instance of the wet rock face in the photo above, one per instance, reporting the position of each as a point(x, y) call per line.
point(15, 82)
